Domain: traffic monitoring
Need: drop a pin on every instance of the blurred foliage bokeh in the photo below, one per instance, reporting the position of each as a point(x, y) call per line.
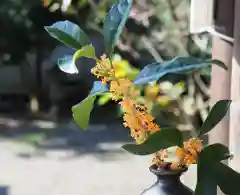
point(157, 30)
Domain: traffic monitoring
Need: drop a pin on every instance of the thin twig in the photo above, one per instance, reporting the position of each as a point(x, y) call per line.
point(202, 86)
point(93, 5)
point(127, 47)
point(148, 44)
point(202, 106)
point(175, 20)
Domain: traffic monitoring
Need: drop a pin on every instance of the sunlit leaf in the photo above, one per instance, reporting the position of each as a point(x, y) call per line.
point(179, 62)
point(214, 153)
point(163, 139)
point(114, 23)
point(87, 51)
point(103, 99)
point(67, 64)
point(218, 111)
point(155, 71)
point(98, 88)
point(68, 33)
point(124, 69)
point(82, 111)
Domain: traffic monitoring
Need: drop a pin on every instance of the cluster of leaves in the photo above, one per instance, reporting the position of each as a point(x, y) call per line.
point(123, 69)
point(161, 26)
point(162, 94)
point(157, 30)
point(211, 171)
point(71, 35)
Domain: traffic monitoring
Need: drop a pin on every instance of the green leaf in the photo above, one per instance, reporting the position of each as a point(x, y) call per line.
point(87, 51)
point(82, 111)
point(206, 185)
point(227, 179)
point(217, 174)
point(103, 99)
point(210, 171)
point(155, 71)
point(114, 23)
point(66, 64)
point(207, 160)
point(191, 61)
point(217, 62)
point(218, 111)
point(98, 88)
point(214, 153)
point(68, 33)
point(163, 139)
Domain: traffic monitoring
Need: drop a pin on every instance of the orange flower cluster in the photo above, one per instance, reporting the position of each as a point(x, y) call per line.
point(158, 157)
point(189, 153)
point(123, 87)
point(137, 117)
point(151, 92)
point(103, 70)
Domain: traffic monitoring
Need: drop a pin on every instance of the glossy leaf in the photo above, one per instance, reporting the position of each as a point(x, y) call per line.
point(206, 185)
point(214, 153)
point(207, 175)
point(218, 111)
point(103, 99)
point(82, 111)
point(124, 69)
point(67, 64)
point(114, 23)
point(163, 139)
point(217, 62)
point(87, 51)
point(206, 182)
point(68, 33)
point(227, 179)
point(217, 174)
point(150, 73)
point(98, 88)
point(155, 71)
point(189, 61)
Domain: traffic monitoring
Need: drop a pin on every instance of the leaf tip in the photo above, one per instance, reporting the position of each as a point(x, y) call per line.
point(47, 28)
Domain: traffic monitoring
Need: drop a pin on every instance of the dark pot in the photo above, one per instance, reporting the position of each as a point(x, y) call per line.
point(168, 183)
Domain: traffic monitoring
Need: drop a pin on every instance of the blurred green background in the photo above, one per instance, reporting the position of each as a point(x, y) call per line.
point(36, 97)
point(157, 30)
